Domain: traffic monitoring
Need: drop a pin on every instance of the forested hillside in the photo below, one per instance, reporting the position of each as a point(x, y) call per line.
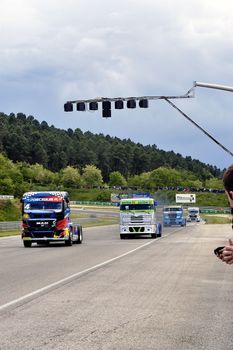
point(25, 139)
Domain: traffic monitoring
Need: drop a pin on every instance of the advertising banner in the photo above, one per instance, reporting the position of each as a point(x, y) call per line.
point(185, 198)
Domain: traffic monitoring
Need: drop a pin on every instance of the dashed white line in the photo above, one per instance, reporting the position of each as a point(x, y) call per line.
point(69, 278)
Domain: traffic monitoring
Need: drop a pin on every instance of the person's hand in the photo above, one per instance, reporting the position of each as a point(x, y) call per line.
point(227, 253)
point(218, 252)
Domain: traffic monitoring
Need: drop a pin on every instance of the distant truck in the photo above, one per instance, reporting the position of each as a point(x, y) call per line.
point(46, 218)
point(173, 215)
point(138, 217)
point(193, 214)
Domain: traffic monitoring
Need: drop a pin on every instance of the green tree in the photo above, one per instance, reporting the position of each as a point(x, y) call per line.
point(116, 179)
point(11, 179)
point(7, 186)
point(141, 181)
point(39, 154)
point(164, 177)
point(214, 183)
point(92, 176)
point(41, 175)
point(189, 179)
point(141, 160)
point(134, 181)
point(119, 159)
point(193, 183)
point(26, 170)
point(16, 145)
point(70, 177)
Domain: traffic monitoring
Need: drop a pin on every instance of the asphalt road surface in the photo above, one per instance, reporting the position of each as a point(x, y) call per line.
point(138, 294)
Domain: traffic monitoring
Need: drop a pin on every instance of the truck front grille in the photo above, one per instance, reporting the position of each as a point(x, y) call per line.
point(40, 225)
point(137, 219)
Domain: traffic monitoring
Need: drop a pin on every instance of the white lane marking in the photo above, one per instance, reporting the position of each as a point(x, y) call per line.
point(49, 286)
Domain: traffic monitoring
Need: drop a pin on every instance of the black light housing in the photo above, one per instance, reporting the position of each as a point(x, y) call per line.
point(106, 113)
point(119, 104)
point(68, 107)
point(80, 106)
point(143, 103)
point(131, 104)
point(93, 106)
point(106, 105)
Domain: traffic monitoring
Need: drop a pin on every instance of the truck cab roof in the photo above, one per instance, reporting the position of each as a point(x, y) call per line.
point(27, 196)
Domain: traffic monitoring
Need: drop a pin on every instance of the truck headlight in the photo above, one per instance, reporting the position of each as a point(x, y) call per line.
point(147, 221)
point(125, 220)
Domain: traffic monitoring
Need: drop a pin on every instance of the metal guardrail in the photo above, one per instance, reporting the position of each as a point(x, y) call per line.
point(215, 211)
point(16, 225)
point(10, 225)
point(105, 204)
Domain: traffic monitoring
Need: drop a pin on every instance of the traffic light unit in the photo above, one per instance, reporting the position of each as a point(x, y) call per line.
point(106, 105)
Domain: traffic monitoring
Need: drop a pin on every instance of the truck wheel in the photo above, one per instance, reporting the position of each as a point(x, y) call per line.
point(159, 229)
point(80, 235)
point(123, 236)
point(27, 244)
point(69, 242)
point(154, 235)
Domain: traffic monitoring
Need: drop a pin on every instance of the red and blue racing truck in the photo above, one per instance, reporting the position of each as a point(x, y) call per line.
point(46, 218)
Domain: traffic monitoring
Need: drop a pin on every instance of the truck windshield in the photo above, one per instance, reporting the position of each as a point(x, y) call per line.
point(172, 209)
point(43, 205)
point(142, 206)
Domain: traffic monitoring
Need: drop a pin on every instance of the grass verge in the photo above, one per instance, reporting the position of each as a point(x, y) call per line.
point(214, 219)
point(7, 233)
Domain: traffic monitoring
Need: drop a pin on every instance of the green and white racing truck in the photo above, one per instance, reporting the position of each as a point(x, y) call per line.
point(138, 217)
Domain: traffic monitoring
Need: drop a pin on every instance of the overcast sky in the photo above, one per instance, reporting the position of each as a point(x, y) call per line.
point(52, 51)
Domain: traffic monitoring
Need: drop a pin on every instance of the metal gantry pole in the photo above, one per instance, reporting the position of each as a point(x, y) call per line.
point(213, 86)
point(106, 104)
point(200, 128)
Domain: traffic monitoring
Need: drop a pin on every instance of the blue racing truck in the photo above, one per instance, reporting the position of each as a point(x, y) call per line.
point(46, 218)
point(173, 215)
